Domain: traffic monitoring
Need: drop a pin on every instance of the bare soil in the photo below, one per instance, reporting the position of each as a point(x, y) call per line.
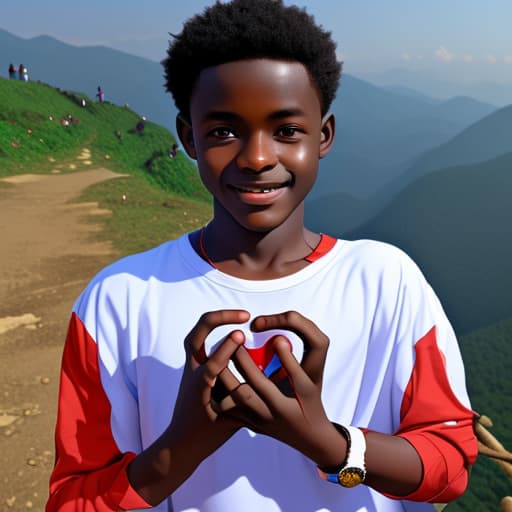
point(48, 253)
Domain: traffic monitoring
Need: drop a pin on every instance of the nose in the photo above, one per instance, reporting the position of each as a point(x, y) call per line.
point(257, 154)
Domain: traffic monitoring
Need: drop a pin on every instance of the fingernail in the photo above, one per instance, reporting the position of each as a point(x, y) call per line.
point(238, 336)
point(280, 338)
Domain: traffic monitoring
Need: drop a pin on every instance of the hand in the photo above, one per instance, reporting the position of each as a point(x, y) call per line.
point(196, 429)
point(197, 422)
point(300, 420)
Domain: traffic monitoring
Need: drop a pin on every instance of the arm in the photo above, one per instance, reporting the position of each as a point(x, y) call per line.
point(402, 466)
point(91, 473)
point(438, 425)
point(196, 429)
point(90, 470)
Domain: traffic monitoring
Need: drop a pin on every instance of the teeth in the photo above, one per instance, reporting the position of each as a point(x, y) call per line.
point(258, 190)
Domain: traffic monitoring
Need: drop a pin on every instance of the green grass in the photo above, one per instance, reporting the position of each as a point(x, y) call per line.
point(34, 140)
point(165, 197)
point(148, 217)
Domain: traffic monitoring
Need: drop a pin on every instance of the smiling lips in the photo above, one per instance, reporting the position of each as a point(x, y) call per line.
point(263, 188)
point(260, 194)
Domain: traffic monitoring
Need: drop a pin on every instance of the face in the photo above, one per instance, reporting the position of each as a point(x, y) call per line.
point(257, 134)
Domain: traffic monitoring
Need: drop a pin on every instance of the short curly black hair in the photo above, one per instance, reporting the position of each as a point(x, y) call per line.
point(245, 29)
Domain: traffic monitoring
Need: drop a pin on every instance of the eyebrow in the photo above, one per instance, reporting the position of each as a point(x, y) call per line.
point(221, 115)
point(287, 112)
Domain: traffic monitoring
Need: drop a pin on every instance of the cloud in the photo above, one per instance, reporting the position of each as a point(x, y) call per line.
point(443, 54)
point(408, 57)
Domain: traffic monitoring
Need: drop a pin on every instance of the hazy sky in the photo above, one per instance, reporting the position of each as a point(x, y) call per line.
point(462, 40)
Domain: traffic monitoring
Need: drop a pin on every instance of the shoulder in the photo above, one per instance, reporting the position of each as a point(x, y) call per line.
point(379, 258)
point(128, 279)
point(384, 274)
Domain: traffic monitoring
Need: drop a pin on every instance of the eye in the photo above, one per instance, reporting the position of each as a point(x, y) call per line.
point(288, 131)
point(222, 132)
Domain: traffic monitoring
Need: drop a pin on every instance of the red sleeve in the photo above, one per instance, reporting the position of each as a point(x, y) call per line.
point(90, 471)
point(447, 447)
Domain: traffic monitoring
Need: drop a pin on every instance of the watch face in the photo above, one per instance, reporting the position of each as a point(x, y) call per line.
point(350, 477)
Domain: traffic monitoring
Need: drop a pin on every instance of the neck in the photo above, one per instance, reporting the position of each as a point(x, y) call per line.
point(249, 254)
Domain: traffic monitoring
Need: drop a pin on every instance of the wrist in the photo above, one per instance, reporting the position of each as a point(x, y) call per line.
point(352, 471)
point(333, 451)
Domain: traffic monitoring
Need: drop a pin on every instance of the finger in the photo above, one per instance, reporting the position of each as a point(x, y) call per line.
point(299, 381)
point(194, 342)
point(219, 360)
point(262, 387)
point(249, 408)
point(316, 342)
point(226, 383)
point(229, 381)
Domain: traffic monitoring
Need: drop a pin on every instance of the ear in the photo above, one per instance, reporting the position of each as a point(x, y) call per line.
point(186, 135)
point(327, 134)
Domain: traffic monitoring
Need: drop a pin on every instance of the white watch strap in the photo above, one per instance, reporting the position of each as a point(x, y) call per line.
point(357, 449)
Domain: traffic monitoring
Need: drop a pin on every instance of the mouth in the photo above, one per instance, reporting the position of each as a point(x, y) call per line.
point(263, 188)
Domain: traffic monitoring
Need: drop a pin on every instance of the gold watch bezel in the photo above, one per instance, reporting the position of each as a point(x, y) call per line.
point(351, 476)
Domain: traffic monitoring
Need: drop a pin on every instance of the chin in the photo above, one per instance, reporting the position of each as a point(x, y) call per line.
point(262, 223)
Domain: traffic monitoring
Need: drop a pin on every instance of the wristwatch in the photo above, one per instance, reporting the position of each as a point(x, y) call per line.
point(352, 472)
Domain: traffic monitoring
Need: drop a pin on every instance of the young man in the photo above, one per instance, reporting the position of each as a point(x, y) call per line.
point(361, 404)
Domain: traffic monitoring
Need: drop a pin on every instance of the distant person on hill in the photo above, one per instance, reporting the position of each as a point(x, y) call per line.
point(21, 67)
point(100, 95)
point(12, 71)
point(173, 151)
point(140, 126)
point(24, 76)
point(253, 365)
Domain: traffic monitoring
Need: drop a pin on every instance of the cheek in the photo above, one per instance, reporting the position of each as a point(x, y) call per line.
point(301, 159)
point(301, 155)
point(219, 157)
point(212, 162)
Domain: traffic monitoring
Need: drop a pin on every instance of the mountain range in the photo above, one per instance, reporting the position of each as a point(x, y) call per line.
point(485, 139)
point(390, 176)
point(427, 82)
point(455, 223)
point(379, 131)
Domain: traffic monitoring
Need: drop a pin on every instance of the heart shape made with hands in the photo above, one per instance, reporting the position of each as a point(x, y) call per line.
point(260, 347)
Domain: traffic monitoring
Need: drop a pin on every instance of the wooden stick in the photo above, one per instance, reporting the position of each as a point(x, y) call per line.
point(490, 446)
point(506, 504)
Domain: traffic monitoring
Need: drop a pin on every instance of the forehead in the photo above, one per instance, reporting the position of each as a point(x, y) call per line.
point(257, 85)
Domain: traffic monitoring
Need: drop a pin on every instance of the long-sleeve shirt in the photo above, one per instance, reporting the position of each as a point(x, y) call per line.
point(393, 366)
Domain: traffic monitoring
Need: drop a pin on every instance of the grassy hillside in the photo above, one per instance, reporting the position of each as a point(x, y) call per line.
point(165, 198)
point(456, 224)
point(124, 78)
point(33, 138)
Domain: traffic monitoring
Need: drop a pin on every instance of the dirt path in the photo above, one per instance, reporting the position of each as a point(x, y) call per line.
point(47, 255)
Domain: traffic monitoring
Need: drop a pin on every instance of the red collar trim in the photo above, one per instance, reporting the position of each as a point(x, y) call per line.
point(324, 246)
